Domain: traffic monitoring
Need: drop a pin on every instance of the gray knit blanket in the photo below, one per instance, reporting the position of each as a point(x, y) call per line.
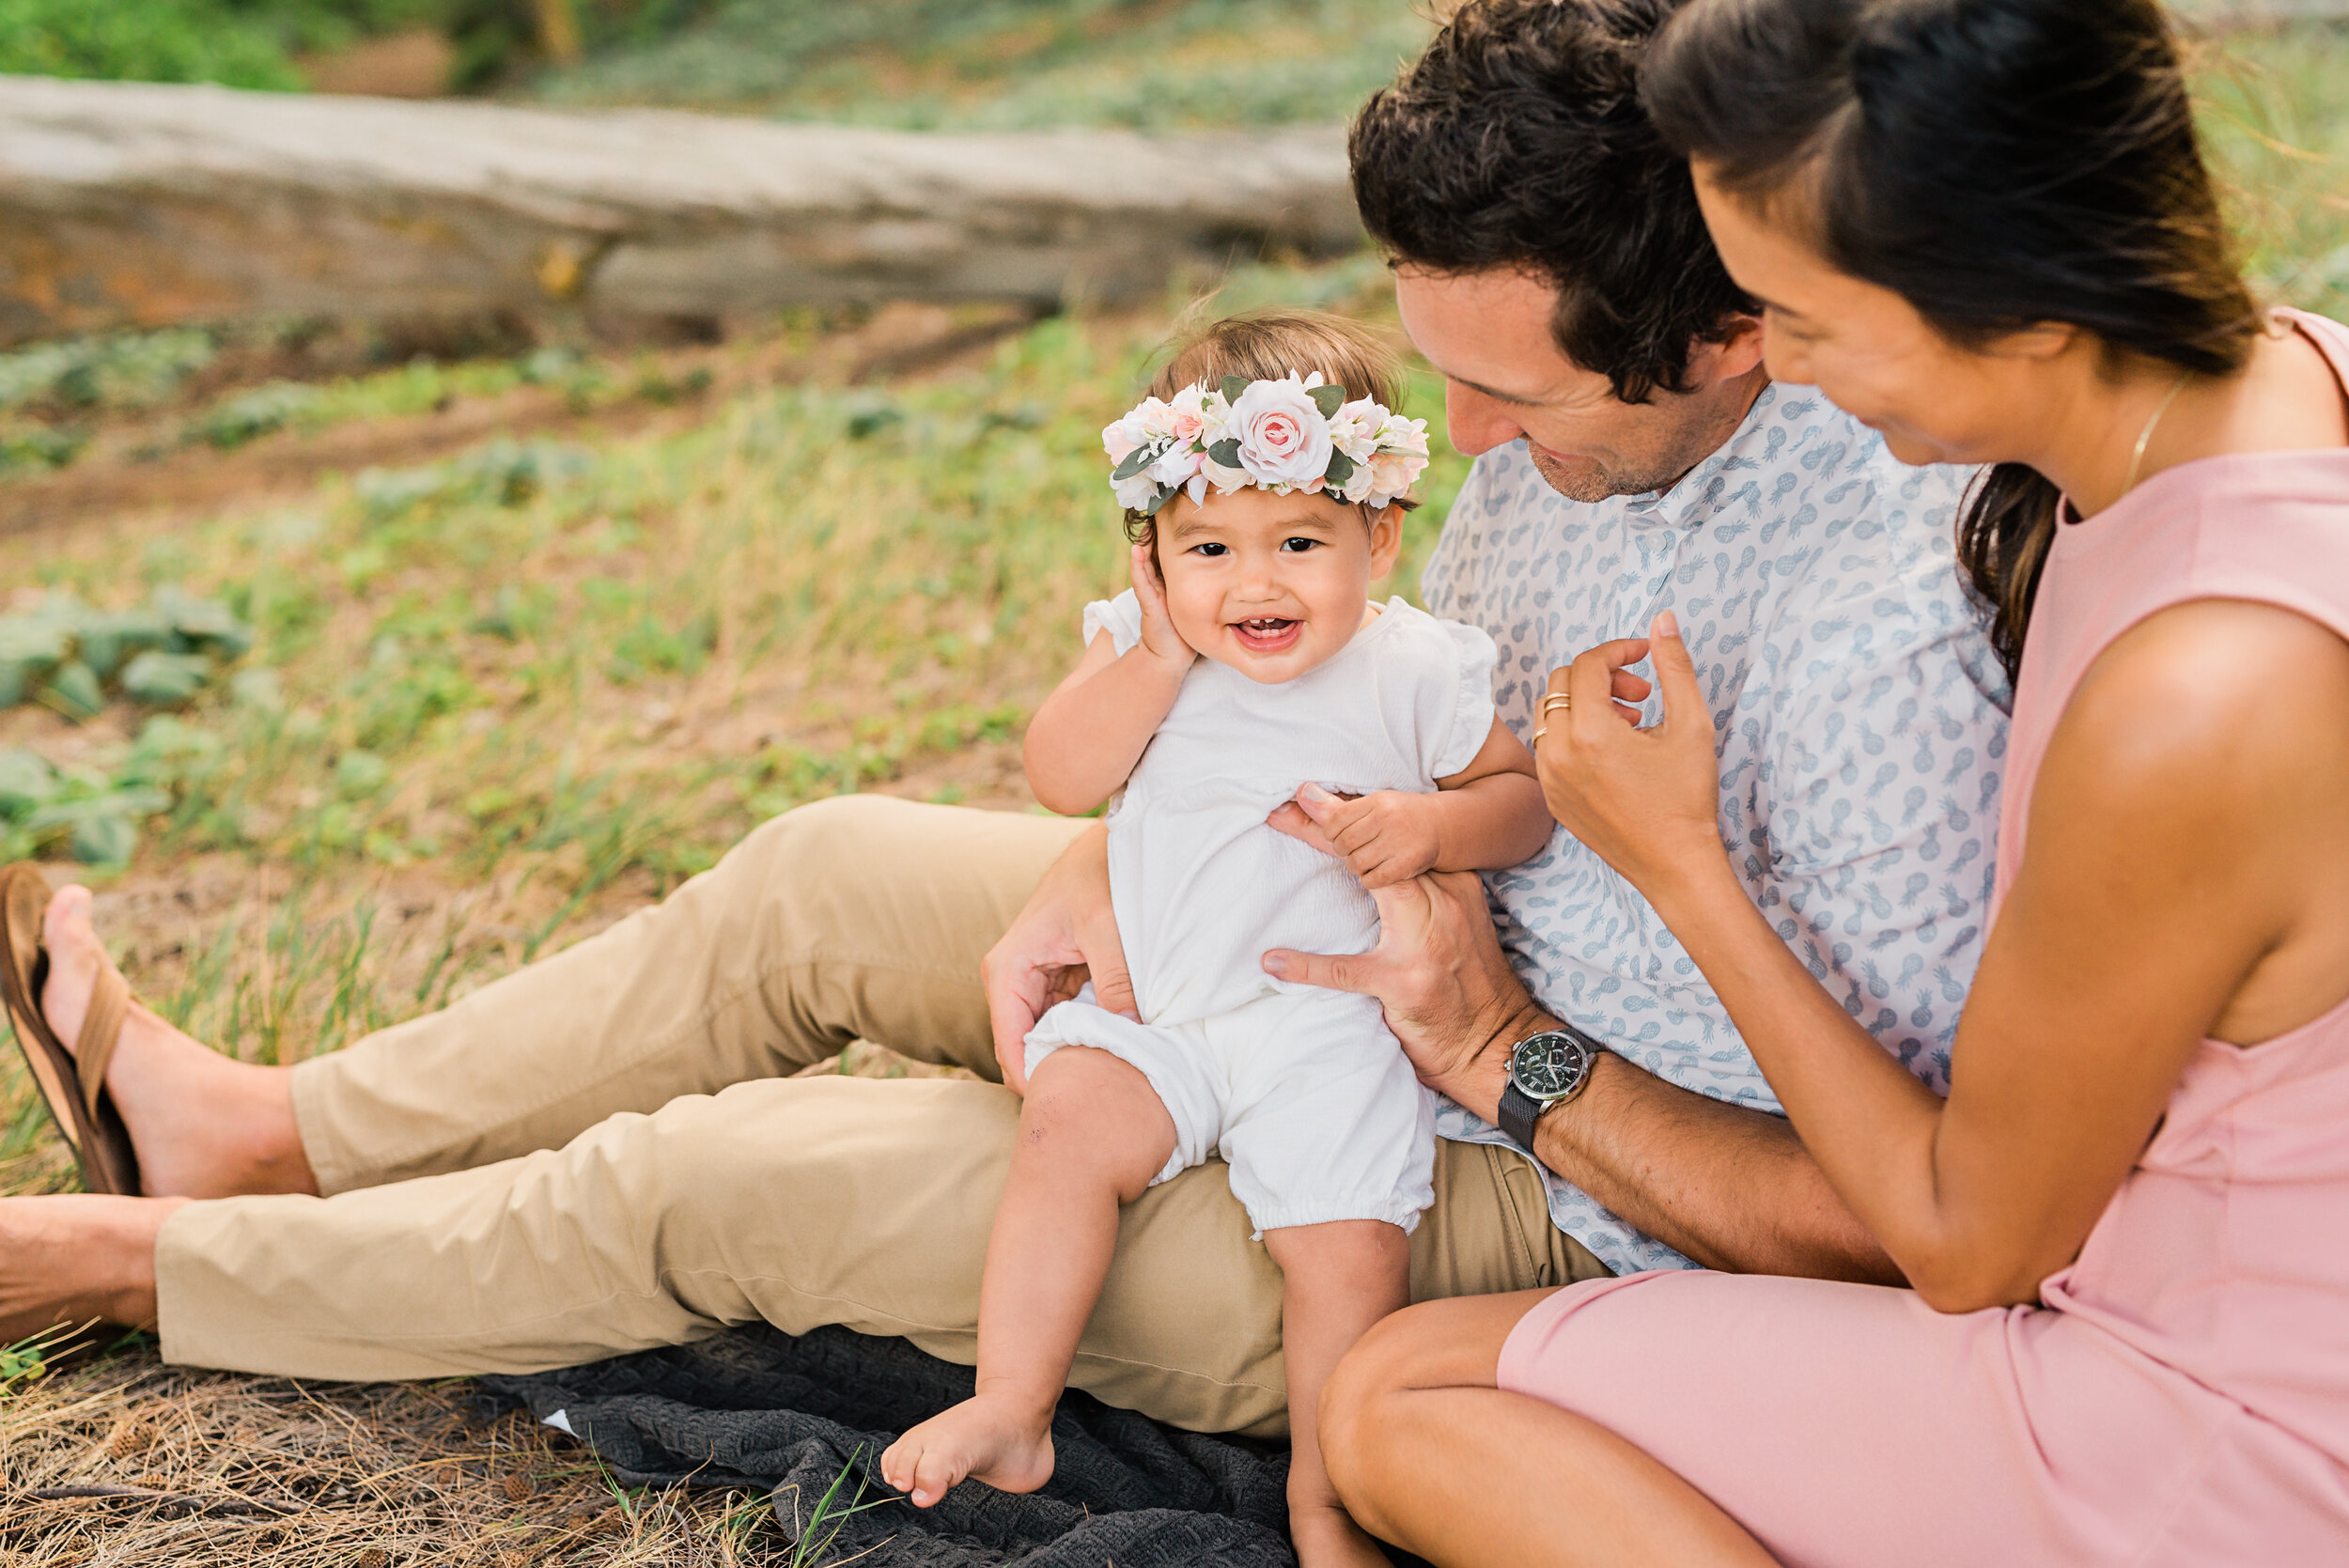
point(756, 1408)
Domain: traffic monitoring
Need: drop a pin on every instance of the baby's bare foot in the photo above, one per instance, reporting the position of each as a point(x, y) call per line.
point(203, 1126)
point(993, 1439)
point(1326, 1536)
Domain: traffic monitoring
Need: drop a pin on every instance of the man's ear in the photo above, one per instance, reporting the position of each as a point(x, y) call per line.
point(1737, 351)
point(1386, 540)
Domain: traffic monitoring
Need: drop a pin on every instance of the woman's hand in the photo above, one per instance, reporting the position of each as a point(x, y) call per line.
point(1646, 800)
point(1159, 637)
point(1064, 936)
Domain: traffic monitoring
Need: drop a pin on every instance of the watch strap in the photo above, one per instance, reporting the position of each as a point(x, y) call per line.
point(1519, 1111)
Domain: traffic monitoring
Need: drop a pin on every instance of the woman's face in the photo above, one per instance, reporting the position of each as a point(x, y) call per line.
point(1870, 351)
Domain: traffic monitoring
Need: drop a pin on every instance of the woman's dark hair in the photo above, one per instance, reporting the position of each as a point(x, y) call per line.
point(1997, 163)
point(1517, 142)
point(1266, 344)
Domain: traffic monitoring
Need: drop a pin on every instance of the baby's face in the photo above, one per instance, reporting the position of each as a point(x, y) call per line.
point(1271, 584)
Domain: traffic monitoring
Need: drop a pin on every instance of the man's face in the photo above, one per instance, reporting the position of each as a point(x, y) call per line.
point(1488, 334)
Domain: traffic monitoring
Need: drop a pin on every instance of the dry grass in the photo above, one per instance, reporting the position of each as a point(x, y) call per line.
point(126, 1460)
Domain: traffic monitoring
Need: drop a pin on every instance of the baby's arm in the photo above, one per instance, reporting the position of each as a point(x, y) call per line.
point(1488, 815)
point(1085, 740)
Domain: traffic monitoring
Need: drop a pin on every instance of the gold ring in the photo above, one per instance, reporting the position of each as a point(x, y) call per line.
point(1555, 701)
point(1539, 730)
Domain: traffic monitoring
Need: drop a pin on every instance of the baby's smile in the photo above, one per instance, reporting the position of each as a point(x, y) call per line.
point(1267, 634)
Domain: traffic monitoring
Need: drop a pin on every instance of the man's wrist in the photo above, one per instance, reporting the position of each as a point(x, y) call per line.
point(1476, 1086)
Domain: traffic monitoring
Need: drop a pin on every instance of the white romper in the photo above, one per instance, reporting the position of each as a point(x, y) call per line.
point(1303, 1091)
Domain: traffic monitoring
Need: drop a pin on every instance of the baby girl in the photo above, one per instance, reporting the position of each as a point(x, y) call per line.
point(1264, 482)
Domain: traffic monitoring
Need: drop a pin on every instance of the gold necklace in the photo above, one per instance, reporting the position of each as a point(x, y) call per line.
point(2137, 457)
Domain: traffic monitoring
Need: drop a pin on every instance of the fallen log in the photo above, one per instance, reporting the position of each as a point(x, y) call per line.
point(126, 204)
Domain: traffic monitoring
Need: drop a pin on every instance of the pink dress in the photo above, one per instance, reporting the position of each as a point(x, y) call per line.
point(2183, 1395)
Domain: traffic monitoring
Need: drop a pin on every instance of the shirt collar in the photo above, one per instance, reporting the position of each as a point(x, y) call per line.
point(1692, 503)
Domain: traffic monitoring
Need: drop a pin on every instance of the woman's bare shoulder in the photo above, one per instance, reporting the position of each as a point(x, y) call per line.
point(2201, 775)
point(2235, 686)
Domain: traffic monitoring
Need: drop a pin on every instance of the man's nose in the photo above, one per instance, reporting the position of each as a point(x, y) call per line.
point(1475, 422)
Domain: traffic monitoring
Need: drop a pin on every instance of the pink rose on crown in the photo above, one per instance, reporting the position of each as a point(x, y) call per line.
point(1187, 413)
point(1283, 439)
point(1393, 473)
point(1121, 436)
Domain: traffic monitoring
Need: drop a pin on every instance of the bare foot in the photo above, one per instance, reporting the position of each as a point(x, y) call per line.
point(202, 1125)
point(77, 1259)
point(993, 1439)
point(1326, 1536)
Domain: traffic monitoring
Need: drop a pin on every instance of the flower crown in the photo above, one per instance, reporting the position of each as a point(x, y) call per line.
point(1293, 434)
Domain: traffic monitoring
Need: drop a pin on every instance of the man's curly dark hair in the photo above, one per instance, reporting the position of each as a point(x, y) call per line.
point(1516, 141)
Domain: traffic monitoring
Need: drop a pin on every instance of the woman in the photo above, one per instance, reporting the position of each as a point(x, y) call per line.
point(1984, 227)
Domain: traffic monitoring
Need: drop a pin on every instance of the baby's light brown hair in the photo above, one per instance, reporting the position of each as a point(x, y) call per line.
point(1266, 344)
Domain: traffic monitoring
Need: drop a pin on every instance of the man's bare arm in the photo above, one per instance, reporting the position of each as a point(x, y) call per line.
point(1728, 1186)
point(1732, 1188)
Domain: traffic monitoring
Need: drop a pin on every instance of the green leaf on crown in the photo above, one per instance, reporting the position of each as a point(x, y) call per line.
point(1139, 458)
point(1233, 387)
point(1166, 493)
point(1329, 399)
point(1340, 468)
point(1226, 452)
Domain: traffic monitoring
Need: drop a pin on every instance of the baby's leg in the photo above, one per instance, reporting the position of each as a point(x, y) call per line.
point(1092, 1135)
point(1341, 1278)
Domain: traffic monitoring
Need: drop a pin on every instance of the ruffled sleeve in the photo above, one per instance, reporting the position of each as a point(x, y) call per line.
point(1121, 617)
point(1469, 718)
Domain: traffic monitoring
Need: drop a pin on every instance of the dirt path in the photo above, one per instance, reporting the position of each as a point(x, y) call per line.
point(897, 341)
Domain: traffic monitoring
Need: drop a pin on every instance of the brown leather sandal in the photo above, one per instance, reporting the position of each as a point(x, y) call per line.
point(74, 1088)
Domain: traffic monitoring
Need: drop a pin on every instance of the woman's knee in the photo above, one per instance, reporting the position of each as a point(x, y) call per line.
point(1356, 1414)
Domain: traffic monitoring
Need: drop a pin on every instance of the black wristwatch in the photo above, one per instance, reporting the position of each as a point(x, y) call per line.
point(1545, 1070)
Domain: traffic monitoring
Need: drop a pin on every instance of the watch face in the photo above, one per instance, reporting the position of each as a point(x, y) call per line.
point(1549, 1066)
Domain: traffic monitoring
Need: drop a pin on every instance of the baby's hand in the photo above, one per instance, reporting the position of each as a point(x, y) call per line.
point(1384, 838)
point(1159, 637)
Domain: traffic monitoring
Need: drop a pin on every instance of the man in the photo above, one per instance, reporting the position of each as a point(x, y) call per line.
point(603, 1152)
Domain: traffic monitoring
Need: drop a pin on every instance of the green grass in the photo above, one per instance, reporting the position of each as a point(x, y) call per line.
point(523, 686)
point(1000, 64)
point(2276, 112)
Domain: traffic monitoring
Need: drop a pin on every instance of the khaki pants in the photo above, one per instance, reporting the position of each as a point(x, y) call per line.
point(602, 1152)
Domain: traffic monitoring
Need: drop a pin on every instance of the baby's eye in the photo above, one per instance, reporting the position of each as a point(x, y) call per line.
point(1210, 549)
point(1298, 546)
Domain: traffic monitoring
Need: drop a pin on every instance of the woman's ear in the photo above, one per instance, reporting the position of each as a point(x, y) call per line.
point(1386, 540)
point(2041, 340)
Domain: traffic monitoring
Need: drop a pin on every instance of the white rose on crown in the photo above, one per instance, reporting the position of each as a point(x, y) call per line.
point(1138, 493)
point(1356, 427)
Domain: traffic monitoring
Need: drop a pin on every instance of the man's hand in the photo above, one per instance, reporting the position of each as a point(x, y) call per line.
point(1445, 985)
point(1384, 838)
point(1066, 935)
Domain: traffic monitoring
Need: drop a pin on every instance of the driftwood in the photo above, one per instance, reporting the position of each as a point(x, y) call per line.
point(141, 205)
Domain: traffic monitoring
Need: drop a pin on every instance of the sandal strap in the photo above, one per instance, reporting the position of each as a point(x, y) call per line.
point(102, 1029)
